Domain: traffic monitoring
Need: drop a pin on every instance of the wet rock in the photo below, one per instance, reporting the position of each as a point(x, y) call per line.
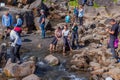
point(52, 60)
point(31, 77)
point(16, 70)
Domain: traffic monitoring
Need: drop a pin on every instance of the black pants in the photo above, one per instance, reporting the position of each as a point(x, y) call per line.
point(75, 38)
point(15, 53)
point(81, 21)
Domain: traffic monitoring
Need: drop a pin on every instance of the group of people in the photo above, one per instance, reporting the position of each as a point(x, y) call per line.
point(14, 32)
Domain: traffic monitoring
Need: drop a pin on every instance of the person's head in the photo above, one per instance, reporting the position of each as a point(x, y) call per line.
point(74, 24)
point(6, 13)
point(17, 16)
point(65, 27)
point(112, 21)
point(81, 6)
point(58, 28)
point(42, 11)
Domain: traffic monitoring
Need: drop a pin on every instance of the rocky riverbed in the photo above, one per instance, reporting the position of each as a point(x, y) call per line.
point(93, 59)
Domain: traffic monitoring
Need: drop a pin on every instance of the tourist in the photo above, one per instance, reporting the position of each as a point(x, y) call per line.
point(15, 44)
point(80, 15)
point(19, 21)
point(67, 18)
point(66, 39)
point(6, 23)
point(84, 2)
point(76, 14)
point(42, 23)
point(113, 36)
point(90, 3)
point(75, 35)
point(58, 35)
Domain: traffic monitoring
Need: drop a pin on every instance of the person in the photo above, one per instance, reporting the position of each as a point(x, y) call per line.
point(67, 18)
point(16, 43)
point(113, 36)
point(84, 2)
point(76, 13)
point(58, 35)
point(6, 23)
point(80, 15)
point(66, 39)
point(19, 21)
point(75, 35)
point(42, 23)
point(90, 3)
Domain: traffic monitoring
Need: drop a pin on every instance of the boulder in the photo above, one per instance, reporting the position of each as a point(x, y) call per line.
point(25, 1)
point(31, 77)
point(36, 4)
point(52, 60)
point(16, 70)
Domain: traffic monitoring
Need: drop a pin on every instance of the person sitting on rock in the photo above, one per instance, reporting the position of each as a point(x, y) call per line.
point(6, 23)
point(19, 21)
point(75, 35)
point(80, 15)
point(67, 18)
point(66, 39)
point(113, 36)
point(58, 35)
point(16, 43)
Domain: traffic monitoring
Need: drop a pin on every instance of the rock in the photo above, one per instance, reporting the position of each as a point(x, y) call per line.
point(108, 78)
point(36, 4)
point(95, 66)
point(25, 1)
point(16, 70)
point(52, 60)
point(31, 77)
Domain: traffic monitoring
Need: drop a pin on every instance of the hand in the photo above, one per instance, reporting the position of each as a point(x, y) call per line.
point(107, 30)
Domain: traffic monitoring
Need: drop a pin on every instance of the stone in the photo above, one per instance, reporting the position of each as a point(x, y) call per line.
point(31, 77)
point(16, 70)
point(36, 4)
point(108, 78)
point(52, 60)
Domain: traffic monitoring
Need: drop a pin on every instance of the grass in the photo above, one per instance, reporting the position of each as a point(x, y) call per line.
point(96, 5)
point(115, 1)
point(73, 3)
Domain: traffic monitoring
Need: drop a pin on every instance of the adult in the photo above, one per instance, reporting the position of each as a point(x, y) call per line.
point(58, 35)
point(19, 21)
point(76, 13)
point(42, 23)
point(16, 43)
point(75, 35)
point(66, 39)
point(67, 18)
point(6, 23)
point(80, 15)
point(84, 2)
point(113, 36)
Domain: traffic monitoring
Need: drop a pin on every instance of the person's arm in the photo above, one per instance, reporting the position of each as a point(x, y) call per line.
point(43, 20)
point(110, 31)
point(3, 22)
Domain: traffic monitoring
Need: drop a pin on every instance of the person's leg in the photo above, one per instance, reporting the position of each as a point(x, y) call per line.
point(51, 47)
point(64, 45)
point(17, 54)
point(81, 21)
point(43, 30)
point(76, 37)
point(73, 39)
point(12, 54)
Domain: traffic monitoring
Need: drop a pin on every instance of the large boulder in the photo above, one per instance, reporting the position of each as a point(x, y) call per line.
point(36, 4)
point(25, 1)
point(31, 77)
point(52, 60)
point(16, 70)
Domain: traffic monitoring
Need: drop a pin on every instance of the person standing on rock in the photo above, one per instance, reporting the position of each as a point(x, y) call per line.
point(76, 14)
point(42, 23)
point(67, 18)
point(19, 21)
point(66, 39)
point(58, 35)
point(80, 15)
point(6, 23)
point(75, 36)
point(16, 43)
point(113, 36)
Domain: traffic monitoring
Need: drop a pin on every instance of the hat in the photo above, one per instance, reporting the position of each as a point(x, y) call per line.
point(108, 78)
point(18, 29)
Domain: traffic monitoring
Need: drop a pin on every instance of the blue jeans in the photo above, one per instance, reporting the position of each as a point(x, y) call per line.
point(75, 38)
point(42, 26)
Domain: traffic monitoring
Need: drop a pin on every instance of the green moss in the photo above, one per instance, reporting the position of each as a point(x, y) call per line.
point(73, 3)
point(115, 1)
point(96, 5)
point(44, 0)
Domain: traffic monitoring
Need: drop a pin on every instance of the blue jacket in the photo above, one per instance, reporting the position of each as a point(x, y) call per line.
point(67, 19)
point(7, 20)
point(19, 22)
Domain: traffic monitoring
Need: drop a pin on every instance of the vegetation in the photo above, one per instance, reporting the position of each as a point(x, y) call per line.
point(96, 5)
point(115, 1)
point(73, 3)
